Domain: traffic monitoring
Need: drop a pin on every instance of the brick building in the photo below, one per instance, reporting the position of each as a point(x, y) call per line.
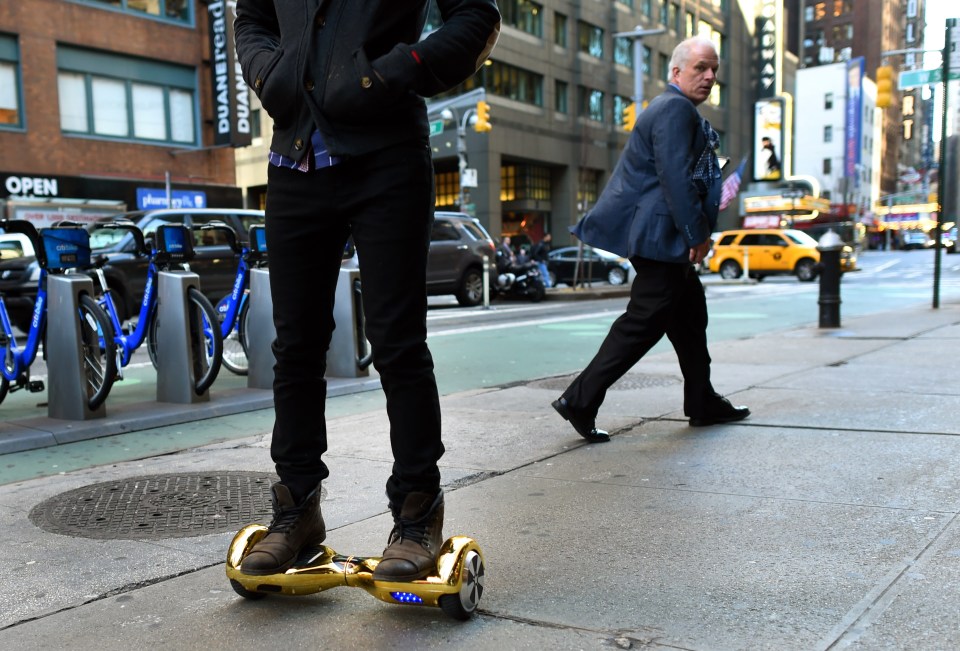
point(107, 100)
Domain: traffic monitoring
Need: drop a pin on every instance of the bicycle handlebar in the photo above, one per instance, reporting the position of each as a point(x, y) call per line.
point(27, 228)
point(141, 246)
point(227, 230)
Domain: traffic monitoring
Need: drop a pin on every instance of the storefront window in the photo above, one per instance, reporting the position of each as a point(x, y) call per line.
point(524, 182)
point(9, 83)
point(447, 189)
point(588, 189)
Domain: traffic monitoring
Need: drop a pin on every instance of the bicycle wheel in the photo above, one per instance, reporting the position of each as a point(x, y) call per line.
point(5, 348)
point(235, 346)
point(205, 340)
point(99, 351)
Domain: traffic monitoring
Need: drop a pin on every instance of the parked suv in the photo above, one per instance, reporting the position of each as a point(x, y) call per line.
point(458, 244)
point(214, 260)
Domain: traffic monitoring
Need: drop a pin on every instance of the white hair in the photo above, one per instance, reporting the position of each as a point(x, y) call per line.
point(681, 53)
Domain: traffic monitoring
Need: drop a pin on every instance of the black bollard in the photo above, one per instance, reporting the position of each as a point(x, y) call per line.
point(830, 246)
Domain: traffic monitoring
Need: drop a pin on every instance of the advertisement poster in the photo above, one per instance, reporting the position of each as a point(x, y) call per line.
point(853, 119)
point(768, 140)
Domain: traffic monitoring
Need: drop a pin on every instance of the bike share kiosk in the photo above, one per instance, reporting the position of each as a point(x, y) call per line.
point(347, 356)
point(259, 332)
point(67, 383)
point(181, 355)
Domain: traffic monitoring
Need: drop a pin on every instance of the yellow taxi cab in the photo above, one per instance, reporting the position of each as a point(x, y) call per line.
point(769, 251)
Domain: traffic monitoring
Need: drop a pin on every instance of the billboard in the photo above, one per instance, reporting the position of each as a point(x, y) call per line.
point(853, 120)
point(768, 139)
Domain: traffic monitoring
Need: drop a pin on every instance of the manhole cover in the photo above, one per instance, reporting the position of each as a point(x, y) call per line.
point(626, 383)
point(159, 506)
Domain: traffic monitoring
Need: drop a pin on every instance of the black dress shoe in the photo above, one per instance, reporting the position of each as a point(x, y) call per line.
point(585, 429)
point(719, 411)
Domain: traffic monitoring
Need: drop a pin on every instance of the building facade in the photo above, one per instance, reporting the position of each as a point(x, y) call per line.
point(557, 85)
point(840, 30)
point(116, 103)
point(839, 118)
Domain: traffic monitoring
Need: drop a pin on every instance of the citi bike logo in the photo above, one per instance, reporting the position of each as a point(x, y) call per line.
point(37, 311)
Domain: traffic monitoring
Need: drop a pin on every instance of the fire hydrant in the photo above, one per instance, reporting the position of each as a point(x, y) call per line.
point(830, 246)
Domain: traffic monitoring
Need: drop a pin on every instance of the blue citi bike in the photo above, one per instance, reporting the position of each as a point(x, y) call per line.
point(233, 310)
point(59, 250)
point(169, 248)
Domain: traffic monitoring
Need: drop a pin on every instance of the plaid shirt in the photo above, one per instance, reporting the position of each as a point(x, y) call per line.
point(317, 158)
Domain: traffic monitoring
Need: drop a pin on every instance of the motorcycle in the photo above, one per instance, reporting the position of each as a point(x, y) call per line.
point(520, 280)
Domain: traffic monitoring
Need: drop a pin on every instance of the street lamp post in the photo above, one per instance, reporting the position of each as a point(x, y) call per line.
point(451, 113)
point(637, 36)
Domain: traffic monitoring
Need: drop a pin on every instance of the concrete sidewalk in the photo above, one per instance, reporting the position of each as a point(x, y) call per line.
point(827, 520)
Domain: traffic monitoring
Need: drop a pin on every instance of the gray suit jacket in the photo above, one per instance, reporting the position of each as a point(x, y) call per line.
point(652, 206)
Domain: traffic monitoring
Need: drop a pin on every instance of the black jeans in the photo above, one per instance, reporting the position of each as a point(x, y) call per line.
point(385, 201)
point(665, 299)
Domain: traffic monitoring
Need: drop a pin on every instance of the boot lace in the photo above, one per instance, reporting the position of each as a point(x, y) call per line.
point(414, 531)
point(286, 521)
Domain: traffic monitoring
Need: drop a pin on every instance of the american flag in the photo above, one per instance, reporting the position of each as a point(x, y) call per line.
point(732, 185)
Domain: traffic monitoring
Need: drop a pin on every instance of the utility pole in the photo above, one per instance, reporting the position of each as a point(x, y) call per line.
point(950, 51)
point(637, 36)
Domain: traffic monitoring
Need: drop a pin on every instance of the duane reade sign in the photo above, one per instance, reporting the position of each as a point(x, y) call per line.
point(231, 97)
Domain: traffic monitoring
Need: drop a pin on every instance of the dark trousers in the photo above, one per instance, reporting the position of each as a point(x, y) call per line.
point(385, 201)
point(665, 299)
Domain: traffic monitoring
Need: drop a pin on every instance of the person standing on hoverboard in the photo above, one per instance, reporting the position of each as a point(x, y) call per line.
point(344, 82)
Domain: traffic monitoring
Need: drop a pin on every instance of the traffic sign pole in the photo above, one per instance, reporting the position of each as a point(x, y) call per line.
point(950, 52)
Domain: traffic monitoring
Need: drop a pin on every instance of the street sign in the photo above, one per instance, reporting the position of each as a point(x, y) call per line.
point(469, 178)
point(436, 128)
point(914, 78)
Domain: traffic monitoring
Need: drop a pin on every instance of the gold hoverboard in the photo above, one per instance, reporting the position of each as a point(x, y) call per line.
point(456, 587)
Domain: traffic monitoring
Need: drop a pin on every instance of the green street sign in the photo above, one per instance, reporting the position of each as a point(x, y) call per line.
point(436, 128)
point(914, 78)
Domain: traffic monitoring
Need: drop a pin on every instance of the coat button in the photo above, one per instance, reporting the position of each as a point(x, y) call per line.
point(258, 84)
point(298, 144)
point(309, 85)
point(319, 21)
point(365, 82)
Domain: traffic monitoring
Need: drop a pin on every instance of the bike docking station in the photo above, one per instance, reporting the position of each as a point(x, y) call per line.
point(456, 586)
point(67, 382)
point(347, 356)
point(181, 357)
point(260, 332)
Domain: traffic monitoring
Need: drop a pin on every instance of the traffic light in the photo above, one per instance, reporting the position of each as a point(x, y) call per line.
point(884, 86)
point(482, 124)
point(629, 116)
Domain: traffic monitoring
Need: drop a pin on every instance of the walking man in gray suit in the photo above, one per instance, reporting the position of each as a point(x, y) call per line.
point(659, 210)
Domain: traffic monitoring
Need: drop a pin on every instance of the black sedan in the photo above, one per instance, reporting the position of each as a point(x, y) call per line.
point(595, 265)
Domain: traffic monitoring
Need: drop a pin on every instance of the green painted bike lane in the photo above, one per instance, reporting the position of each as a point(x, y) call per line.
point(471, 358)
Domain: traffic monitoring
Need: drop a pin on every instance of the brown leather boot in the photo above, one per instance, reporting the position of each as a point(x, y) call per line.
point(414, 543)
point(294, 527)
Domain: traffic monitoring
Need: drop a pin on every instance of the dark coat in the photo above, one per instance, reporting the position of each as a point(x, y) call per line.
point(652, 207)
point(356, 69)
